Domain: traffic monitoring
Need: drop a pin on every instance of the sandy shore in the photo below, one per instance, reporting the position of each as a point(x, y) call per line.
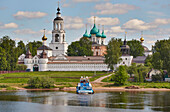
point(96, 89)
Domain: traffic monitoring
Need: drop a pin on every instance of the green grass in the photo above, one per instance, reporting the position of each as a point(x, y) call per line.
point(11, 88)
point(142, 85)
point(77, 74)
point(152, 84)
point(96, 77)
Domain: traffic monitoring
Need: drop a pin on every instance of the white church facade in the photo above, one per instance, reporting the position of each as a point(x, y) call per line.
point(54, 58)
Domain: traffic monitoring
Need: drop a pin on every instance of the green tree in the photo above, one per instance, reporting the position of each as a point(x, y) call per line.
point(136, 48)
point(161, 56)
point(113, 53)
point(148, 61)
point(3, 62)
point(40, 82)
point(21, 48)
point(11, 52)
point(141, 79)
point(121, 76)
point(80, 48)
point(33, 46)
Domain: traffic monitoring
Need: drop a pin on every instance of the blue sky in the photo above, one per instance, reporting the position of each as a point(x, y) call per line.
point(26, 19)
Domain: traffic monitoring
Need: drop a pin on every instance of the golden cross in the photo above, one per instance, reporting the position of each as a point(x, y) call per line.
point(86, 26)
point(103, 27)
point(58, 3)
point(44, 31)
point(125, 34)
point(141, 33)
point(94, 19)
point(99, 26)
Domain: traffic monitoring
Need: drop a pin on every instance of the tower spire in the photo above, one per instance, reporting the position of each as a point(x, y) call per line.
point(94, 19)
point(125, 38)
point(86, 26)
point(141, 39)
point(125, 34)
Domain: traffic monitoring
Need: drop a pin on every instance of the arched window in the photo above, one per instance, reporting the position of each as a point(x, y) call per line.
point(98, 41)
point(102, 42)
point(63, 38)
point(57, 38)
point(97, 53)
point(93, 39)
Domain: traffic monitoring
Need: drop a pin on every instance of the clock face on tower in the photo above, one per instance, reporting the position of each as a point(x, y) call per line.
point(56, 37)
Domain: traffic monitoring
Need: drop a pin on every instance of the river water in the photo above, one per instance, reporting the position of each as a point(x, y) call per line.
point(57, 101)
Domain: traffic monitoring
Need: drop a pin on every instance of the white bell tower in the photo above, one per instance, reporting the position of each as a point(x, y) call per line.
point(58, 43)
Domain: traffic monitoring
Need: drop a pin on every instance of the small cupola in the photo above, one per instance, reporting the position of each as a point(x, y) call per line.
point(94, 30)
point(99, 34)
point(28, 54)
point(86, 34)
point(103, 35)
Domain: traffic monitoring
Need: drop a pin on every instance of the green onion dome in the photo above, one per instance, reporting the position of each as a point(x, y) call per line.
point(94, 30)
point(86, 34)
point(98, 34)
point(89, 35)
point(103, 35)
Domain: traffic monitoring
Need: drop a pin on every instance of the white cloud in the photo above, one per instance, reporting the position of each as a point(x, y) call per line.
point(8, 26)
point(86, 0)
point(156, 13)
point(117, 29)
point(66, 5)
point(29, 15)
point(162, 21)
point(24, 31)
point(31, 32)
point(104, 20)
point(73, 22)
point(136, 24)
point(109, 8)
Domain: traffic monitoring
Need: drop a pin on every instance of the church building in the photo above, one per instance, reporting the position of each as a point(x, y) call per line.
point(54, 58)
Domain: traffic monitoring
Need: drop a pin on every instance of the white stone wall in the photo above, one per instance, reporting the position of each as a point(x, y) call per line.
point(147, 53)
point(167, 79)
point(77, 67)
point(43, 64)
point(29, 63)
point(126, 60)
point(62, 48)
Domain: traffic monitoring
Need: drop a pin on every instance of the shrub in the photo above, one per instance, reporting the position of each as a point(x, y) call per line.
point(40, 82)
point(121, 76)
point(157, 77)
point(4, 86)
point(21, 67)
point(10, 88)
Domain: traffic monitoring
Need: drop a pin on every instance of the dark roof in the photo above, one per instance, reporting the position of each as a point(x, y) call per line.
point(58, 18)
point(139, 59)
point(44, 47)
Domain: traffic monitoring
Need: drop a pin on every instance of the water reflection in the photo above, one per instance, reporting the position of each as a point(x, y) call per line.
point(141, 101)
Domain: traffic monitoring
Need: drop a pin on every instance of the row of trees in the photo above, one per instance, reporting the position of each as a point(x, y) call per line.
point(9, 53)
point(83, 47)
point(161, 56)
point(113, 52)
point(80, 48)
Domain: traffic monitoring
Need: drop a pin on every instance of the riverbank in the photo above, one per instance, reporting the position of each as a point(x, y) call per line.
point(96, 89)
